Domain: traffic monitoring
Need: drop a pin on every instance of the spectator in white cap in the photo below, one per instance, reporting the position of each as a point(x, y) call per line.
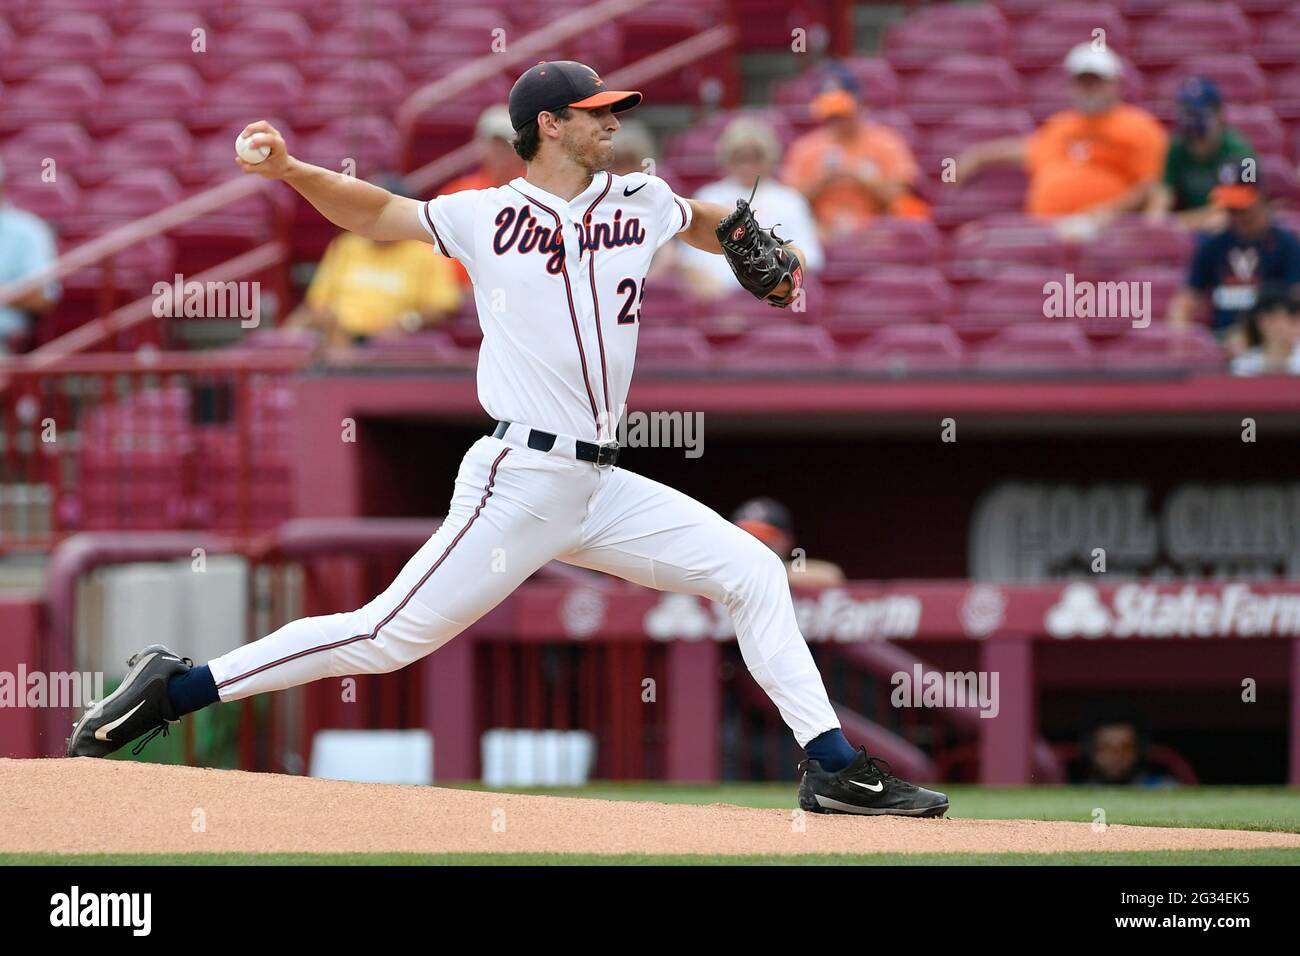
point(749, 152)
point(26, 247)
point(1097, 159)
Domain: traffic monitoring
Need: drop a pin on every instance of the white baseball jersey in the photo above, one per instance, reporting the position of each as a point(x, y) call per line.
point(558, 287)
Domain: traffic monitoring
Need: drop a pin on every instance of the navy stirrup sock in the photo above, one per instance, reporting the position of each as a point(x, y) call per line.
point(832, 750)
point(193, 690)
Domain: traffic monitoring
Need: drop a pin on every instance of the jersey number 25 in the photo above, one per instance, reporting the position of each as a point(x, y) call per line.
point(631, 311)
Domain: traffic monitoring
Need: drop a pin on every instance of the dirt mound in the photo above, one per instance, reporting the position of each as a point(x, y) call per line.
point(101, 806)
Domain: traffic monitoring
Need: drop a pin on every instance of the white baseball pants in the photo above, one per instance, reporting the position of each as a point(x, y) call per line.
point(515, 508)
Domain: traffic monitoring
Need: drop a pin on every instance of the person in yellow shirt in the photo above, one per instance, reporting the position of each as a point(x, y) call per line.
point(851, 170)
point(363, 288)
point(1099, 159)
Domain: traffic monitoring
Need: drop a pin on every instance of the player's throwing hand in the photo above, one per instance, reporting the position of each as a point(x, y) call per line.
point(260, 134)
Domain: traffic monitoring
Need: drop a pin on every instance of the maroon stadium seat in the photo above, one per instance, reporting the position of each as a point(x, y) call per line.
point(151, 92)
point(904, 348)
point(993, 192)
point(937, 31)
point(360, 34)
point(1286, 94)
point(263, 37)
point(958, 83)
point(357, 88)
point(1259, 124)
point(1135, 240)
point(59, 203)
point(1012, 297)
point(369, 140)
point(1196, 27)
point(991, 245)
point(158, 143)
point(1278, 176)
point(68, 38)
point(1044, 38)
point(1163, 346)
point(884, 241)
point(127, 196)
point(57, 92)
point(65, 143)
point(1036, 346)
point(967, 129)
point(889, 295)
point(781, 347)
point(154, 36)
point(667, 348)
point(253, 90)
point(1278, 39)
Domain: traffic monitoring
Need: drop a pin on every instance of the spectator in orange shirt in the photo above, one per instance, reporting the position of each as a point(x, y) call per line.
point(851, 170)
point(1097, 160)
point(498, 163)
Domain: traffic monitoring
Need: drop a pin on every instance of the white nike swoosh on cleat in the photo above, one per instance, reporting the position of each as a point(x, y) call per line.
point(874, 788)
point(103, 732)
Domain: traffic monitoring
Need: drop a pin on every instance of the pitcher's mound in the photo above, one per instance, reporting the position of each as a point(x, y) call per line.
point(103, 806)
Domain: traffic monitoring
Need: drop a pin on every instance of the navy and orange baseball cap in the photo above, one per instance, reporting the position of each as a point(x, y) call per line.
point(554, 84)
point(765, 518)
point(1238, 185)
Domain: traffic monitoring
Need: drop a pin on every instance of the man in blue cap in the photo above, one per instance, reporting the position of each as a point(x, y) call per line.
point(1201, 145)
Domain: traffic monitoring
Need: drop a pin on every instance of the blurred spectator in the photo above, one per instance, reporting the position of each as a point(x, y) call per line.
point(1201, 145)
point(1100, 158)
point(633, 145)
point(748, 152)
point(26, 248)
point(364, 288)
point(1229, 266)
point(851, 170)
point(1114, 753)
point(498, 163)
point(1272, 332)
point(494, 137)
point(769, 521)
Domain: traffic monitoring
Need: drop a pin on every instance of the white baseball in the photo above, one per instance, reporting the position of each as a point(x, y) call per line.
point(248, 154)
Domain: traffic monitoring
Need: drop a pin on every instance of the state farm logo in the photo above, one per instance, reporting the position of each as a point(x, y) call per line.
point(1141, 610)
point(833, 615)
point(982, 611)
point(1079, 613)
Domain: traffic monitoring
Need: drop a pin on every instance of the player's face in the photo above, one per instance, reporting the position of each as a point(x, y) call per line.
point(588, 138)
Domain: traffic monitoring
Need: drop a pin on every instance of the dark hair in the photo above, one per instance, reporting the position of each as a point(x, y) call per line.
point(529, 139)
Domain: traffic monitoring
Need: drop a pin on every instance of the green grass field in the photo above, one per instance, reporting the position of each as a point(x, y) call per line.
point(1240, 808)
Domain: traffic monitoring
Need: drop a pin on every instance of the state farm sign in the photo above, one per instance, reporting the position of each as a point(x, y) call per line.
point(1144, 610)
point(832, 615)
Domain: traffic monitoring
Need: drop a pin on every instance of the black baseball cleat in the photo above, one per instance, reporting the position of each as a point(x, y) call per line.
point(866, 787)
point(138, 706)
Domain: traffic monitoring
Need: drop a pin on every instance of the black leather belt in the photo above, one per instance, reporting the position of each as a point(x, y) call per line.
point(602, 456)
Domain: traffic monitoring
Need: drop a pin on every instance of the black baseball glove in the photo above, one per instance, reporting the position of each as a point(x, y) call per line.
point(759, 257)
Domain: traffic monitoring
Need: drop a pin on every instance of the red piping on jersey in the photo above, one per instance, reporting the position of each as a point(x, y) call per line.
point(434, 229)
point(682, 207)
point(595, 301)
point(573, 312)
point(487, 493)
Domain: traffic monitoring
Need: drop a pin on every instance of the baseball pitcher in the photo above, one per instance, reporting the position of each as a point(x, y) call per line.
point(558, 260)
